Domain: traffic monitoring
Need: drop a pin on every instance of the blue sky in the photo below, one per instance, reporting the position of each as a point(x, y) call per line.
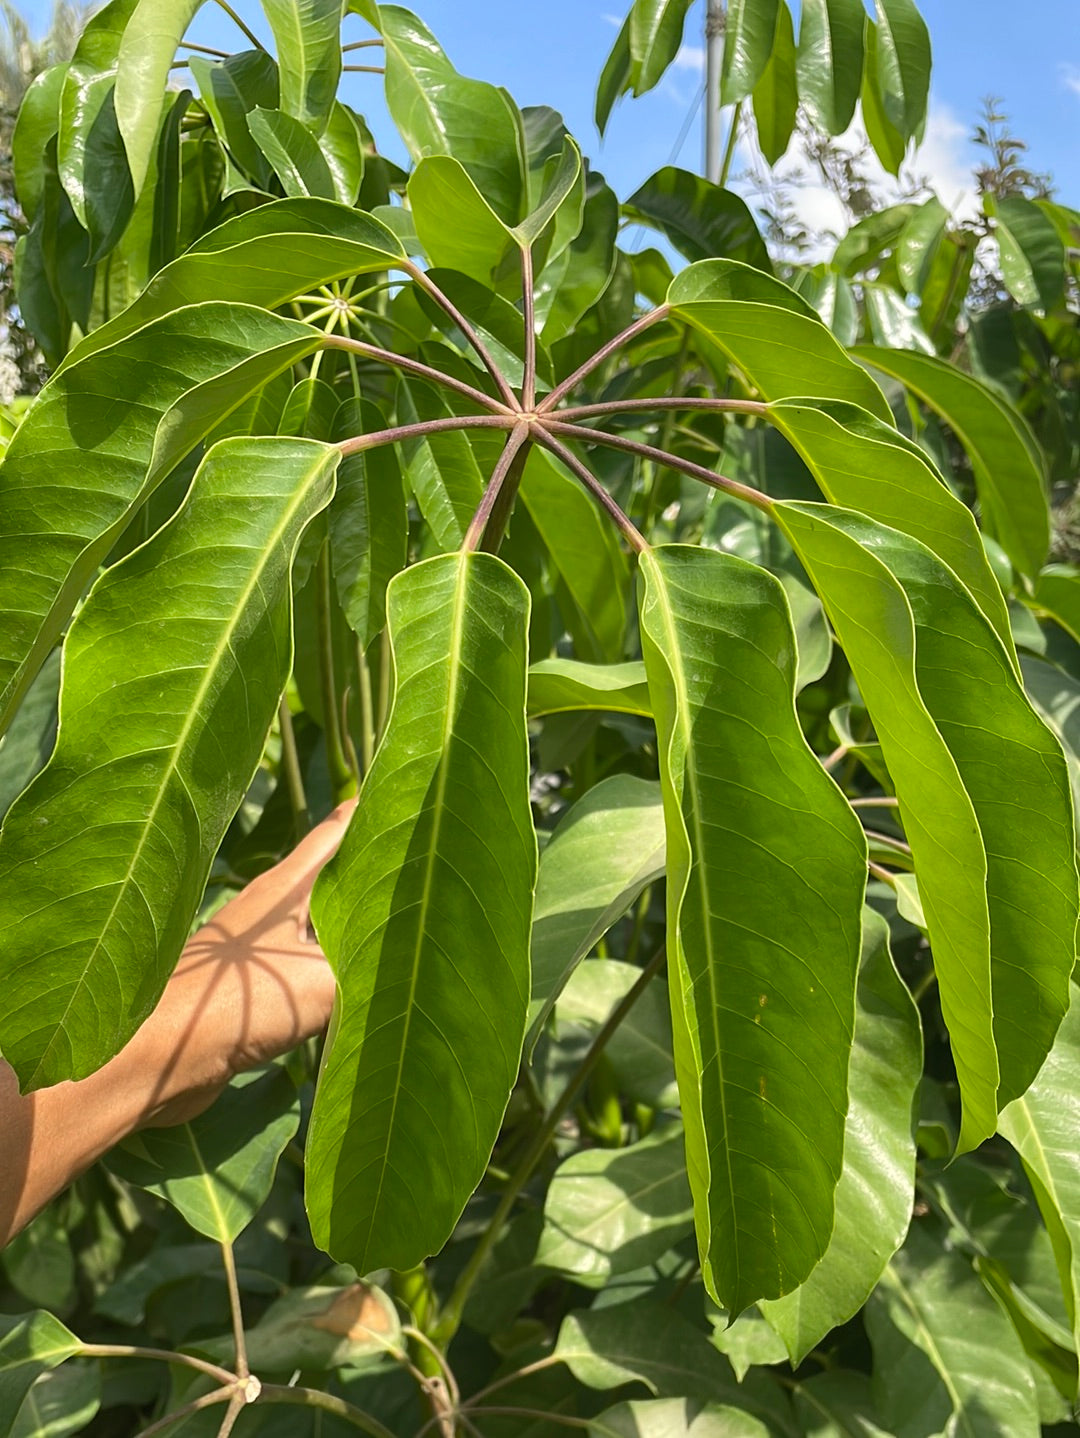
point(551, 51)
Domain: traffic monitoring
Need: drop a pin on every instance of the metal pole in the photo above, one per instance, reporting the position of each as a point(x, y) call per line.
point(714, 52)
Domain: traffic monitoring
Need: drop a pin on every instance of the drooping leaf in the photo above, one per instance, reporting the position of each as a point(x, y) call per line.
point(264, 257)
point(456, 225)
point(293, 153)
point(90, 151)
point(603, 853)
point(868, 466)
point(700, 219)
point(424, 914)
point(610, 1211)
point(887, 142)
point(1031, 250)
point(749, 34)
point(217, 1169)
point(118, 831)
point(307, 36)
point(1008, 467)
point(30, 1344)
point(903, 63)
point(830, 60)
point(440, 112)
point(82, 462)
point(776, 96)
point(1041, 1126)
point(771, 334)
point(931, 1323)
point(231, 89)
point(656, 31)
point(764, 1112)
point(876, 1189)
point(35, 125)
point(342, 146)
point(615, 78)
point(147, 48)
point(919, 242)
point(558, 686)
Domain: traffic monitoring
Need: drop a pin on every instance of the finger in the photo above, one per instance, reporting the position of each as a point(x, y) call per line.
point(315, 848)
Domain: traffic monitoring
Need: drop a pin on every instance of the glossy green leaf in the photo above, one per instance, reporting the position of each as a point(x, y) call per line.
point(307, 36)
point(865, 465)
point(440, 112)
point(656, 31)
point(54, 283)
point(369, 523)
point(606, 849)
point(559, 686)
point(876, 1189)
point(1041, 1126)
point(920, 239)
point(30, 1344)
point(1031, 250)
point(771, 334)
point(764, 1111)
point(230, 89)
point(903, 63)
point(615, 78)
point(962, 674)
point(567, 289)
point(264, 257)
point(675, 1418)
point(80, 464)
point(557, 214)
point(830, 60)
point(35, 125)
point(639, 1051)
point(1057, 592)
point(424, 915)
point(1056, 696)
point(831, 294)
point(610, 1211)
point(1008, 467)
point(749, 35)
point(892, 321)
point(441, 470)
point(90, 150)
point(776, 95)
point(887, 142)
point(29, 741)
point(145, 779)
point(147, 48)
point(293, 153)
point(343, 149)
point(217, 1169)
point(60, 1403)
point(700, 219)
point(457, 227)
point(585, 550)
point(932, 1323)
point(873, 238)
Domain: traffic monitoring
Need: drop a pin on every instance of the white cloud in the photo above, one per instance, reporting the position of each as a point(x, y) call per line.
point(1070, 78)
point(690, 57)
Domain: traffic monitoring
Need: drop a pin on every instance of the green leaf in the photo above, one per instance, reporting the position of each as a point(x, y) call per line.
point(147, 48)
point(920, 240)
point(610, 1211)
point(343, 149)
point(771, 334)
point(892, 321)
point(932, 1323)
point(830, 60)
point(876, 1189)
point(833, 297)
point(568, 288)
point(265, 257)
point(424, 915)
point(457, 227)
point(307, 35)
point(888, 144)
point(1057, 592)
point(90, 152)
point(656, 31)
point(29, 741)
point(865, 465)
point(749, 34)
point(30, 1344)
point(872, 239)
point(764, 1118)
point(1041, 1126)
point(700, 219)
point(319, 1329)
point(369, 523)
point(615, 78)
point(60, 1403)
point(293, 152)
point(119, 830)
point(606, 849)
point(1009, 469)
point(1030, 249)
point(35, 125)
point(559, 208)
point(837, 1405)
point(217, 1169)
point(441, 470)
point(903, 64)
point(585, 550)
point(559, 686)
point(81, 463)
point(978, 711)
point(1056, 696)
point(675, 1418)
point(230, 89)
point(776, 96)
point(639, 1051)
point(440, 112)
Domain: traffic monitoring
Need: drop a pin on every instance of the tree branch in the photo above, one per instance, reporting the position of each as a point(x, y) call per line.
point(361, 442)
point(424, 280)
point(436, 376)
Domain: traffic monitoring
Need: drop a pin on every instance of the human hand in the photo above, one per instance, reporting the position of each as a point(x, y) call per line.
point(250, 985)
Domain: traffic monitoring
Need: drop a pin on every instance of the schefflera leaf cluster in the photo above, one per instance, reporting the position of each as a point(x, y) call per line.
point(478, 402)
